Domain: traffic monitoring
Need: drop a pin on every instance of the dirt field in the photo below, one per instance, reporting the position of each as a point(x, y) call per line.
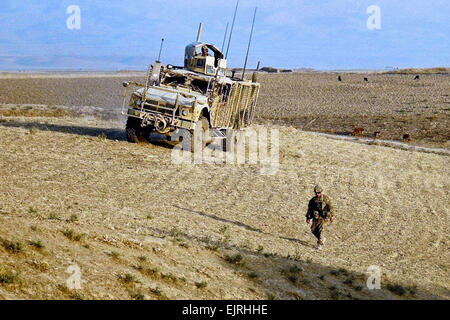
point(73, 192)
point(393, 104)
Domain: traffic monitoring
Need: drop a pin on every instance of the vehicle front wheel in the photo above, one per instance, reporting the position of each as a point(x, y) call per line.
point(231, 140)
point(135, 133)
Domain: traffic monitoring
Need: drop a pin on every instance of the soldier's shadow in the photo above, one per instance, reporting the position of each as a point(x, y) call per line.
point(237, 223)
point(302, 242)
point(245, 226)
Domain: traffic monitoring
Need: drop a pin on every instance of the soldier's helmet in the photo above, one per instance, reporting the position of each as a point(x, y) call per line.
point(317, 189)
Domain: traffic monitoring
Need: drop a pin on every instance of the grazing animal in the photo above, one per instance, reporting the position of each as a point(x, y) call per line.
point(406, 137)
point(376, 134)
point(339, 78)
point(366, 79)
point(417, 77)
point(357, 131)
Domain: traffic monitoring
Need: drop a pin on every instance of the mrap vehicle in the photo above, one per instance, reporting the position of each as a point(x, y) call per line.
point(198, 97)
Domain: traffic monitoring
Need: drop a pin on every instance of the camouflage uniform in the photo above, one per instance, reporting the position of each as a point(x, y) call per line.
point(320, 210)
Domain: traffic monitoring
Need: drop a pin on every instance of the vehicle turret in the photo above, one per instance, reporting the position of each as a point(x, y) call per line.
point(204, 58)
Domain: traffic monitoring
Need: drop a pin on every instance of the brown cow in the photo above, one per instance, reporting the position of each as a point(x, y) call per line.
point(357, 131)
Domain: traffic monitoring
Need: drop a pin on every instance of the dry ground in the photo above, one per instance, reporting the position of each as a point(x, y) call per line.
point(393, 104)
point(72, 191)
point(139, 226)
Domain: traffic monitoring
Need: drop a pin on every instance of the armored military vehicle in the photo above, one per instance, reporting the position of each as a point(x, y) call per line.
point(179, 102)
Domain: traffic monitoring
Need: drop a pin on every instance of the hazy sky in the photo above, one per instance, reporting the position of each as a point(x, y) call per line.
point(326, 34)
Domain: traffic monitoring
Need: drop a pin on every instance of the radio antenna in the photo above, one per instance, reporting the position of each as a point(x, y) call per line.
point(200, 31)
point(231, 31)
point(249, 42)
point(160, 49)
point(225, 37)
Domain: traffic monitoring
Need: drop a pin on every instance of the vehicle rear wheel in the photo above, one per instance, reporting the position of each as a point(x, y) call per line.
point(230, 141)
point(188, 137)
point(205, 134)
point(135, 133)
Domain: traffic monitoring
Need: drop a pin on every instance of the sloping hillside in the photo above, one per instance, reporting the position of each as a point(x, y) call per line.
point(73, 192)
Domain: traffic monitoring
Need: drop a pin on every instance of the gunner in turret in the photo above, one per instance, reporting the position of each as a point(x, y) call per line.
point(205, 51)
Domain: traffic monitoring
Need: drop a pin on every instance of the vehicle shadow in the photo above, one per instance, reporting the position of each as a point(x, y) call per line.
point(108, 133)
point(114, 134)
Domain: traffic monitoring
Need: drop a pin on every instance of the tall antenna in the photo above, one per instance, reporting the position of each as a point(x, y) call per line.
point(160, 49)
point(225, 37)
point(249, 42)
point(200, 31)
point(232, 26)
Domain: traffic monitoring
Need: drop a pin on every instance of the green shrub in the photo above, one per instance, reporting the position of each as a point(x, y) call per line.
point(12, 246)
point(37, 244)
point(72, 235)
point(396, 288)
point(234, 259)
point(201, 285)
point(8, 277)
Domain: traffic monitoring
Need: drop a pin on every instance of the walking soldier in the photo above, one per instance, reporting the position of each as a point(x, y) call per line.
point(319, 211)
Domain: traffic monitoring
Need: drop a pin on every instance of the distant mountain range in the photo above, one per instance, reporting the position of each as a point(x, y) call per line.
point(75, 62)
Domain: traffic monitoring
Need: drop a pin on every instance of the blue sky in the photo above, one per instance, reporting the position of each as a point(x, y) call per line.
point(328, 34)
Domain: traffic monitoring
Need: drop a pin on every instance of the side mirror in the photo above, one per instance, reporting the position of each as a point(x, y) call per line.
point(155, 73)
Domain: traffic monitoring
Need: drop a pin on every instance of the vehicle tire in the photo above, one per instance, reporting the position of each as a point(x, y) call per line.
point(230, 141)
point(187, 137)
point(183, 136)
point(135, 133)
point(206, 134)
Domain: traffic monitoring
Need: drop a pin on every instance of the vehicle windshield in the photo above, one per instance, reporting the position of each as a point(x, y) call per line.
point(175, 80)
point(197, 85)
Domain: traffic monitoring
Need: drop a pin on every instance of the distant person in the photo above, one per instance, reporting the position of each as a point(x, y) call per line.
point(319, 211)
point(339, 78)
point(205, 51)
